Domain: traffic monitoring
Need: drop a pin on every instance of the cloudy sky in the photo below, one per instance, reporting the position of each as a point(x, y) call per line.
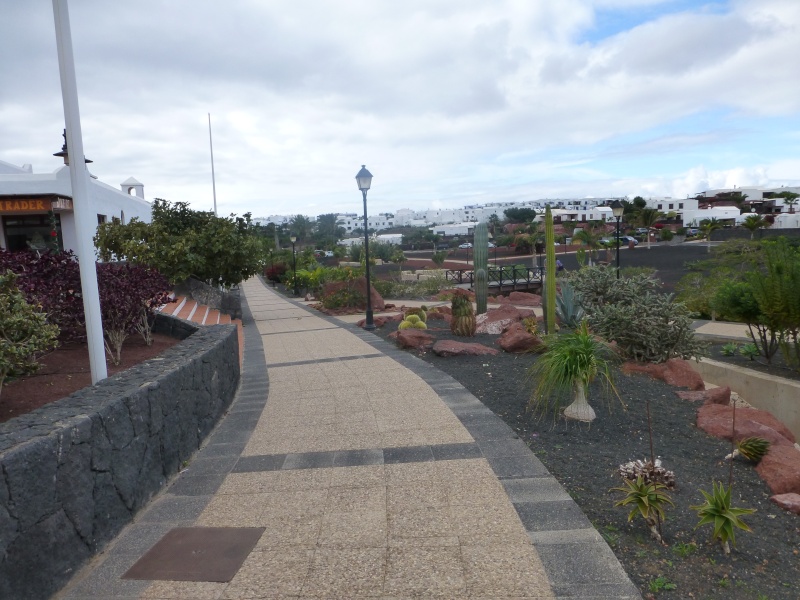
point(447, 102)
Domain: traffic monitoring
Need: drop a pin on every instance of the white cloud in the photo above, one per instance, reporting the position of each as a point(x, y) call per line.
point(442, 101)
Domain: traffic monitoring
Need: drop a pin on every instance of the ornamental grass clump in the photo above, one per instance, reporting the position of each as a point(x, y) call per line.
point(570, 363)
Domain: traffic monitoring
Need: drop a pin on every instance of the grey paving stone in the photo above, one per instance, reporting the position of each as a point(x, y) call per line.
point(516, 466)
point(207, 466)
point(198, 485)
point(251, 464)
point(549, 516)
point(456, 451)
point(565, 536)
point(356, 458)
point(105, 581)
point(217, 450)
point(170, 508)
point(504, 448)
point(308, 460)
point(597, 592)
point(407, 454)
point(230, 436)
point(138, 538)
point(593, 565)
point(534, 489)
point(489, 429)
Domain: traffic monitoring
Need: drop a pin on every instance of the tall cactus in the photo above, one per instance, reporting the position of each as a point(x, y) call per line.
point(550, 273)
point(481, 260)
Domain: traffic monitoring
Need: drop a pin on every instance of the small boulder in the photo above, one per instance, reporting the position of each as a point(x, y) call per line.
point(675, 371)
point(515, 338)
point(416, 339)
point(790, 502)
point(525, 299)
point(720, 395)
point(495, 320)
point(780, 469)
point(717, 419)
point(452, 348)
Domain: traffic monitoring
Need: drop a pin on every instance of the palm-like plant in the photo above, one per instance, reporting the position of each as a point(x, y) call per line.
point(790, 199)
point(648, 500)
point(648, 217)
point(753, 223)
point(717, 510)
point(590, 237)
point(571, 362)
point(707, 226)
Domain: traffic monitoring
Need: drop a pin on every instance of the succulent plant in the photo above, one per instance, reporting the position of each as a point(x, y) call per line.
point(412, 322)
point(419, 312)
point(481, 261)
point(753, 448)
point(729, 349)
point(463, 318)
point(531, 325)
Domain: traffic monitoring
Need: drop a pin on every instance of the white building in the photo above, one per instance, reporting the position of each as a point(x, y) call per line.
point(31, 203)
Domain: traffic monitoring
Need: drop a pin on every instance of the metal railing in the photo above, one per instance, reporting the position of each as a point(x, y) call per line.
point(512, 275)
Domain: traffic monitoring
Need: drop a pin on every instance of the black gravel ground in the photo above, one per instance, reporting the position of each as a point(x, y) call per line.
point(765, 564)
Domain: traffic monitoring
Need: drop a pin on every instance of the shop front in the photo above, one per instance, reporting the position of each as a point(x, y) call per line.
point(32, 222)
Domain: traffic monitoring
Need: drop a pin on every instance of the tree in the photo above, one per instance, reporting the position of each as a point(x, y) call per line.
point(639, 203)
point(753, 223)
point(494, 224)
point(328, 231)
point(520, 215)
point(590, 237)
point(302, 227)
point(790, 199)
point(648, 217)
point(707, 226)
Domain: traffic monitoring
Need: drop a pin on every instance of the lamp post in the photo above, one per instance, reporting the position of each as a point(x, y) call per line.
point(617, 209)
point(293, 239)
point(364, 180)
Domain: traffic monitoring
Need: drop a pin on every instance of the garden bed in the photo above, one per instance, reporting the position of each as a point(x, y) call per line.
point(764, 565)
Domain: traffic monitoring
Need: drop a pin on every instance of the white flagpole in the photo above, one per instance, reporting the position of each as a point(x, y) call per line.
point(213, 181)
point(85, 223)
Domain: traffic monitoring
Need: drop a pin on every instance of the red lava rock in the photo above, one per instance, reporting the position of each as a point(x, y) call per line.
point(451, 348)
point(721, 395)
point(496, 320)
point(525, 299)
point(780, 468)
point(790, 502)
point(716, 419)
point(381, 321)
point(413, 338)
point(515, 338)
point(360, 285)
point(675, 371)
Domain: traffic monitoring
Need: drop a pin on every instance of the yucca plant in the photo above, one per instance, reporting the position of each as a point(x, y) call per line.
point(753, 448)
point(648, 500)
point(463, 317)
point(717, 510)
point(571, 362)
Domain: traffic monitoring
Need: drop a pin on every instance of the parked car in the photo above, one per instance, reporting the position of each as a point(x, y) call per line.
point(692, 231)
point(642, 230)
point(465, 245)
point(492, 245)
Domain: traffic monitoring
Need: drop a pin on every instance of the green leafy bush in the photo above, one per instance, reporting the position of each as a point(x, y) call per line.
point(24, 332)
point(729, 349)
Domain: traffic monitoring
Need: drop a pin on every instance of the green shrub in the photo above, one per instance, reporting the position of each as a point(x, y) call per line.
point(729, 349)
point(24, 332)
point(386, 288)
point(646, 325)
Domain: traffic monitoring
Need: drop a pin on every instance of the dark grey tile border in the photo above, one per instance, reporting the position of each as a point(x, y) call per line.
point(317, 361)
point(357, 458)
point(250, 464)
point(303, 331)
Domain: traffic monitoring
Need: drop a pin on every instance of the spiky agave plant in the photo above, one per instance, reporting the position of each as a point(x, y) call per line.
point(648, 500)
point(753, 448)
point(717, 511)
point(571, 362)
point(462, 322)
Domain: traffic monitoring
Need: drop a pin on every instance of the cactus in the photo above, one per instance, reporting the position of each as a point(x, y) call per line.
point(481, 259)
point(420, 312)
point(753, 448)
point(463, 318)
point(550, 273)
point(412, 322)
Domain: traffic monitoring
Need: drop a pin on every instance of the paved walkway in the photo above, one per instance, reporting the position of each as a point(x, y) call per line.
point(372, 475)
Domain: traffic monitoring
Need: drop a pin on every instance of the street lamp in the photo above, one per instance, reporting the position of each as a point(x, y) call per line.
point(364, 180)
point(617, 209)
point(293, 239)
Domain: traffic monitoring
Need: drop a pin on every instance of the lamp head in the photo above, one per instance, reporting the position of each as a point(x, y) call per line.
point(364, 178)
point(293, 238)
point(617, 208)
